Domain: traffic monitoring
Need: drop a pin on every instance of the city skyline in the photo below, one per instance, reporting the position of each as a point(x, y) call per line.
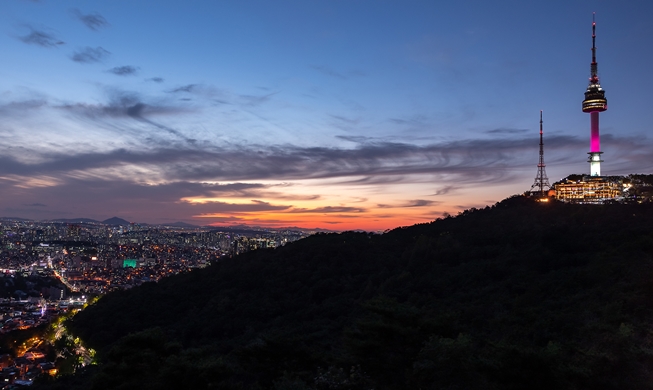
point(339, 115)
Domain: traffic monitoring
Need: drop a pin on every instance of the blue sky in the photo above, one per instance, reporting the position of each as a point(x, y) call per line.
point(337, 114)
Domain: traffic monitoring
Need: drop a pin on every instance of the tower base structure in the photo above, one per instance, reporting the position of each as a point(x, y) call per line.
point(595, 163)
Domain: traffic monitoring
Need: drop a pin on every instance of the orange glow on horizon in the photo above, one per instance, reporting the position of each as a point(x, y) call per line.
point(305, 204)
point(313, 220)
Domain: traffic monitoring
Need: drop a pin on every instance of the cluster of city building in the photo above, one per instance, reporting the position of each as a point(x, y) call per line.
point(27, 313)
point(94, 258)
point(29, 359)
point(21, 371)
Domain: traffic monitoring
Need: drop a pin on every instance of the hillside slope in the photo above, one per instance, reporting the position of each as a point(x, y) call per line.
point(518, 295)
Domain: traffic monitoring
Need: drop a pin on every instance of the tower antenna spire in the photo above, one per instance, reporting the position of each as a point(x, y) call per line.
point(541, 180)
point(594, 74)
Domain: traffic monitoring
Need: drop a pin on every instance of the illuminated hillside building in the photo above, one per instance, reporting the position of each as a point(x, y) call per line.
point(590, 190)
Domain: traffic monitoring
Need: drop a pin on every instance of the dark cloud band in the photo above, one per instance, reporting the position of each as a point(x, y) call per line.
point(94, 21)
point(41, 38)
point(89, 55)
point(126, 70)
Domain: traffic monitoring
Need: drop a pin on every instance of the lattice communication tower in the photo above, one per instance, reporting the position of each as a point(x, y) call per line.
point(541, 184)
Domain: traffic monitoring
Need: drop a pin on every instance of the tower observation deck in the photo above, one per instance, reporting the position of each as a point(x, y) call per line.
point(594, 103)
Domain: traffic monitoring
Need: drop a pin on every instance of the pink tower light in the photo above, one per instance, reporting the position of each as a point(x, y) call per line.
point(595, 139)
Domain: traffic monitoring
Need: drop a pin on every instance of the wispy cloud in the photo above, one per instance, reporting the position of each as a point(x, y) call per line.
point(446, 190)
point(328, 71)
point(410, 203)
point(21, 106)
point(94, 21)
point(355, 138)
point(203, 91)
point(325, 70)
point(415, 120)
point(41, 38)
point(375, 163)
point(328, 210)
point(506, 131)
point(126, 70)
point(419, 203)
point(209, 209)
point(252, 190)
point(123, 107)
point(113, 116)
point(256, 100)
point(127, 105)
point(184, 88)
point(156, 79)
point(90, 55)
point(348, 121)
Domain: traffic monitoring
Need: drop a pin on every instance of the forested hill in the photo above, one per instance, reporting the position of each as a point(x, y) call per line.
point(520, 295)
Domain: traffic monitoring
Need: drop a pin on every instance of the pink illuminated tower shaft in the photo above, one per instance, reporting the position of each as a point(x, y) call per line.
point(595, 140)
point(594, 103)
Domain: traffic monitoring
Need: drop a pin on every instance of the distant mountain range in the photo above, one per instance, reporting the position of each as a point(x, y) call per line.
point(115, 221)
point(14, 219)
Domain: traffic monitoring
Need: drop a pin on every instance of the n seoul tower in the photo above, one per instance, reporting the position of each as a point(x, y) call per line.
point(594, 103)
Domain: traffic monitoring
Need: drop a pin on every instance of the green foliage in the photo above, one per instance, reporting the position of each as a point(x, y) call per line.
point(289, 383)
point(387, 341)
point(146, 360)
point(517, 295)
point(446, 363)
point(334, 378)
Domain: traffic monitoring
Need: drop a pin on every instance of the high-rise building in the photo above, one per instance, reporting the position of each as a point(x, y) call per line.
point(594, 103)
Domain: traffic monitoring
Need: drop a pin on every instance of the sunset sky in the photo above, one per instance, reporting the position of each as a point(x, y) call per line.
point(331, 114)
